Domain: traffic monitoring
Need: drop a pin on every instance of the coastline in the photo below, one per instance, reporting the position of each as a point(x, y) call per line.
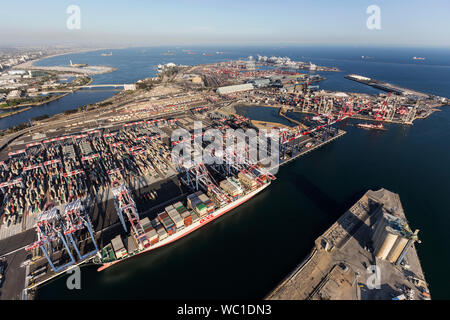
point(32, 62)
point(29, 65)
point(89, 70)
point(28, 106)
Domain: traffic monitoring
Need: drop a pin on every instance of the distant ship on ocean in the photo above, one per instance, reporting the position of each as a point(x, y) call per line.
point(418, 58)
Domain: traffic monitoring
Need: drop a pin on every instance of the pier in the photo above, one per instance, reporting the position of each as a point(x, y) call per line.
point(385, 86)
point(340, 265)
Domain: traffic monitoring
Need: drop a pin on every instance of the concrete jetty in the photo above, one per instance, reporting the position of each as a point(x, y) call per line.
point(343, 264)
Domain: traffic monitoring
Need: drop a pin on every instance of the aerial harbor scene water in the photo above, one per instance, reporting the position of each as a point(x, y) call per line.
point(354, 176)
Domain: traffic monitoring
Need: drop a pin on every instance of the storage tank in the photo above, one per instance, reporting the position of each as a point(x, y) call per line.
point(397, 249)
point(386, 246)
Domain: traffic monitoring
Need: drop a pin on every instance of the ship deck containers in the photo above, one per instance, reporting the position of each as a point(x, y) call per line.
point(201, 210)
point(203, 197)
point(145, 223)
point(179, 207)
point(168, 224)
point(184, 213)
point(210, 206)
point(175, 216)
point(230, 188)
point(187, 218)
point(247, 181)
point(194, 216)
point(152, 235)
point(237, 184)
point(131, 245)
point(162, 233)
point(193, 200)
point(149, 230)
point(155, 222)
point(207, 202)
point(119, 248)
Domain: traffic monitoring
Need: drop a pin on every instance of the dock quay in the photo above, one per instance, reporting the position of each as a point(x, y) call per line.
point(342, 263)
point(25, 275)
point(339, 134)
point(388, 87)
point(282, 113)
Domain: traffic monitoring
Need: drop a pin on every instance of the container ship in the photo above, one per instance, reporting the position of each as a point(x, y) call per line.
point(177, 220)
point(371, 126)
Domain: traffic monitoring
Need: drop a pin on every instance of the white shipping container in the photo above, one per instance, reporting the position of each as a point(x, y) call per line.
point(145, 221)
point(177, 205)
point(230, 188)
point(168, 208)
point(117, 243)
point(203, 198)
point(175, 216)
point(152, 235)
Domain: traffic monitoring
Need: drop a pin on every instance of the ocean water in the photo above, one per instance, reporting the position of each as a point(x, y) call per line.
point(247, 252)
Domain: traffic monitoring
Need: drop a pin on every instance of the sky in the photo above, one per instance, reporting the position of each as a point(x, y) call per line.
point(233, 22)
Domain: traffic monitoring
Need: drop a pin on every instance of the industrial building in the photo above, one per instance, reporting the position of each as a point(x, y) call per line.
point(392, 238)
point(235, 88)
point(131, 87)
point(260, 83)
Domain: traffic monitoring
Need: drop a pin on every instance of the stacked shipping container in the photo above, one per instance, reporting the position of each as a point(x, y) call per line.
point(187, 218)
point(230, 188)
point(207, 202)
point(193, 200)
point(200, 203)
point(168, 224)
point(247, 180)
point(175, 216)
point(162, 233)
point(150, 231)
point(119, 248)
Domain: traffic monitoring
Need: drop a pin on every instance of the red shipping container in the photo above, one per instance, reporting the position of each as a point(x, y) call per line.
point(188, 221)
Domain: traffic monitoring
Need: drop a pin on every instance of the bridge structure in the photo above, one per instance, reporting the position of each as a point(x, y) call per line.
point(90, 86)
point(102, 86)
